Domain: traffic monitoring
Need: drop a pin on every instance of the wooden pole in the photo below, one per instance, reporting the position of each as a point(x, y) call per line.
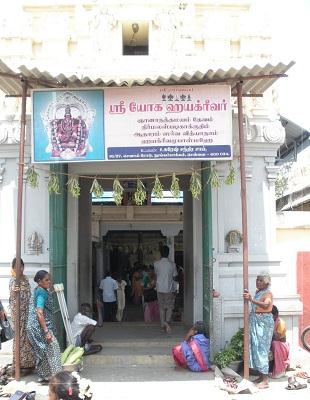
point(19, 226)
point(244, 233)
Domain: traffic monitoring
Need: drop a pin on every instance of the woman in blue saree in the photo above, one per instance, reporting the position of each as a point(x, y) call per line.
point(194, 352)
point(40, 329)
point(261, 326)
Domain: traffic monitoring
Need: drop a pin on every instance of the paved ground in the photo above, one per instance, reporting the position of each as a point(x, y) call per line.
point(135, 364)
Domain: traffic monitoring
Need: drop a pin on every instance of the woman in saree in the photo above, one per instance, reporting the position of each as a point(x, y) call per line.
point(27, 361)
point(194, 352)
point(279, 347)
point(260, 328)
point(151, 307)
point(40, 329)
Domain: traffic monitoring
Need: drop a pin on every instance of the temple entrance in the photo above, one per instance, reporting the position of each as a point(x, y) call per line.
point(127, 242)
point(130, 256)
point(103, 236)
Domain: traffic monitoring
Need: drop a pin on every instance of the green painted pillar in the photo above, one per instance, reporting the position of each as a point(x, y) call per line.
point(207, 248)
point(58, 242)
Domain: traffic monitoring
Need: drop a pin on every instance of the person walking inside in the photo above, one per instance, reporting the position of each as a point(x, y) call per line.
point(261, 327)
point(121, 299)
point(109, 287)
point(40, 329)
point(27, 359)
point(165, 271)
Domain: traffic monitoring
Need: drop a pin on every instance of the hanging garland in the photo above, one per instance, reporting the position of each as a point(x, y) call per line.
point(53, 185)
point(158, 189)
point(117, 192)
point(73, 186)
point(231, 177)
point(140, 195)
point(195, 185)
point(215, 180)
point(96, 189)
point(32, 177)
point(175, 188)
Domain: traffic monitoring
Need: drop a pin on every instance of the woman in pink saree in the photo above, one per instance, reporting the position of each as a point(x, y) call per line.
point(194, 352)
point(279, 347)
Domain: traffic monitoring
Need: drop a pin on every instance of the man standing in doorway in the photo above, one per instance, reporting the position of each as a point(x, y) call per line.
point(108, 286)
point(165, 271)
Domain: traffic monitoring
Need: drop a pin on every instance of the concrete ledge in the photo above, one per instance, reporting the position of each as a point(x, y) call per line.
point(129, 360)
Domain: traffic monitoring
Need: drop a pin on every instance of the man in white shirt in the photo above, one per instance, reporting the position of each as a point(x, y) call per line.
point(165, 271)
point(82, 328)
point(109, 286)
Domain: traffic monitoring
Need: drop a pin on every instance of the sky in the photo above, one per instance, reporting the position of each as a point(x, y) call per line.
point(291, 39)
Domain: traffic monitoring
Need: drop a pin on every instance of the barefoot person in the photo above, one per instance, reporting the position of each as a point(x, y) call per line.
point(260, 328)
point(27, 359)
point(41, 330)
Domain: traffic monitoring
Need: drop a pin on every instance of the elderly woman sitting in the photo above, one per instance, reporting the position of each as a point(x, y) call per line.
point(194, 352)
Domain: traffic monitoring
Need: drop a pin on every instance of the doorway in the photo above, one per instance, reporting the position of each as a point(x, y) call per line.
point(89, 223)
point(130, 255)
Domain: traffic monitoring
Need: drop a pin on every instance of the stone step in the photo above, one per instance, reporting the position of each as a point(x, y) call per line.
point(128, 360)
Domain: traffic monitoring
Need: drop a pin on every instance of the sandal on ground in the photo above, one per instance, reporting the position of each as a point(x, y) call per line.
point(293, 384)
point(94, 348)
point(42, 381)
point(302, 374)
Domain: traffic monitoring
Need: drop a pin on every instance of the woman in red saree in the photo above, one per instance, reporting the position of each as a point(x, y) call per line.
point(279, 347)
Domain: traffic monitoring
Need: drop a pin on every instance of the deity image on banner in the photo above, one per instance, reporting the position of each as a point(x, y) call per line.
point(72, 123)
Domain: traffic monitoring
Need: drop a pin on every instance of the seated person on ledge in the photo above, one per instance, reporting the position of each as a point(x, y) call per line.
point(194, 352)
point(83, 328)
point(279, 347)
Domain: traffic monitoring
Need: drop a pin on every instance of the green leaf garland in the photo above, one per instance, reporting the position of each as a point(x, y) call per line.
point(195, 185)
point(158, 190)
point(140, 193)
point(73, 186)
point(175, 188)
point(117, 192)
point(96, 189)
point(32, 177)
point(53, 184)
point(231, 177)
point(215, 180)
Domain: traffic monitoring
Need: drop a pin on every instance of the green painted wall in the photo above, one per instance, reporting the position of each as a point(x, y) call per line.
point(207, 245)
point(58, 242)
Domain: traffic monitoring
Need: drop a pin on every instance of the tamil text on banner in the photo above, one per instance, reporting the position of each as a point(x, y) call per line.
point(168, 122)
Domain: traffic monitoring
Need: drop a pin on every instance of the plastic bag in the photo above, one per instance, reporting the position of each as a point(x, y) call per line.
point(228, 380)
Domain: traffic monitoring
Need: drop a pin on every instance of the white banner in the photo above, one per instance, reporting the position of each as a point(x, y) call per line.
point(168, 122)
